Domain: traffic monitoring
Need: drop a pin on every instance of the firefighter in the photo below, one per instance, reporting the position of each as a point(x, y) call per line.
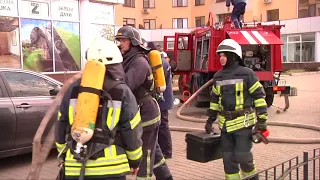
point(239, 8)
point(237, 97)
point(164, 135)
point(139, 79)
point(116, 145)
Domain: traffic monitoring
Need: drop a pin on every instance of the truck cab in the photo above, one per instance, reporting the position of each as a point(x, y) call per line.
point(196, 59)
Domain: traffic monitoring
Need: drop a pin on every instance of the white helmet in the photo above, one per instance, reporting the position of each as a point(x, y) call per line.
point(164, 54)
point(230, 45)
point(105, 51)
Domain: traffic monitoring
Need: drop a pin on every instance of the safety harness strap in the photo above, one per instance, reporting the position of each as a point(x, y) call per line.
point(90, 90)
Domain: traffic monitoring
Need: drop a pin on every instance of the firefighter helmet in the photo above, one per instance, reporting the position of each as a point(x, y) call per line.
point(230, 45)
point(131, 33)
point(105, 51)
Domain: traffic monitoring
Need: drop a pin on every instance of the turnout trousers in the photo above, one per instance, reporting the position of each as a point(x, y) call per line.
point(152, 160)
point(237, 12)
point(164, 135)
point(237, 151)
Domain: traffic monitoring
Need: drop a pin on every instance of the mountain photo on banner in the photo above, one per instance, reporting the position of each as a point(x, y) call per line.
point(37, 45)
point(67, 46)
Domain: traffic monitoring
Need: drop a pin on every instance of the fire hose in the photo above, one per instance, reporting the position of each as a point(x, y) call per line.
point(41, 151)
point(271, 123)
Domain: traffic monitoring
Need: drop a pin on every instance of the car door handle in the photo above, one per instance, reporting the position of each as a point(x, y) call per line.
point(24, 105)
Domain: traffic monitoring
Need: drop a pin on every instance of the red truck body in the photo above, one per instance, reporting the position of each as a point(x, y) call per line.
point(195, 59)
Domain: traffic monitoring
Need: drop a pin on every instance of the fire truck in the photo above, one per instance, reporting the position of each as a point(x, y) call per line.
point(194, 58)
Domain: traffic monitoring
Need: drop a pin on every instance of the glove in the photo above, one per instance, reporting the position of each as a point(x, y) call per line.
point(208, 126)
point(261, 126)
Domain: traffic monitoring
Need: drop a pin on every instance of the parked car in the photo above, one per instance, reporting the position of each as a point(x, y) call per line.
point(25, 97)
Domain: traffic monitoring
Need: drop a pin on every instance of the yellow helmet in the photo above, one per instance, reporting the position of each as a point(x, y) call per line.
point(105, 51)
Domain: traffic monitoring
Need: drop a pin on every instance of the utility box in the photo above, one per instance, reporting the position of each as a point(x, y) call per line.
point(203, 147)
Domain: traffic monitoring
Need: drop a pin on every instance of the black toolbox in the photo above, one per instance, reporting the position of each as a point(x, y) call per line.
point(203, 147)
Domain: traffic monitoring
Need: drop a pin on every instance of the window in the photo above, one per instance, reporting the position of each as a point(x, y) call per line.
point(129, 22)
point(148, 4)
point(25, 85)
point(309, 8)
point(180, 23)
point(179, 3)
point(183, 42)
point(273, 15)
point(37, 45)
point(200, 21)
point(67, 44)
point(222, 17)
point(129, 3)
point(149, 24)
point(299, 48)
point(199, 2)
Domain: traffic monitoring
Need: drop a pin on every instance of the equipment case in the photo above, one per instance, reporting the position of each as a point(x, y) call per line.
point(203, 147)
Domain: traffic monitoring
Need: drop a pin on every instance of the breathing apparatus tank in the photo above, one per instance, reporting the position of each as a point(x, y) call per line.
point(88, 103)
point(157, 71)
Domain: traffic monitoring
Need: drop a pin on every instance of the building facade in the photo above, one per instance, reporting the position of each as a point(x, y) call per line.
point(50, 36)
point(301, 33)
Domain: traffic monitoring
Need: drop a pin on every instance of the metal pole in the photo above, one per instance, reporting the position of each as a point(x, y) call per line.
point(305, 167)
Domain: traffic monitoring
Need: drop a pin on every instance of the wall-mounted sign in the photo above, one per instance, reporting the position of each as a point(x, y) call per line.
point(102, 14)
point(34, 9)
point(65, 10)
point(8, 7)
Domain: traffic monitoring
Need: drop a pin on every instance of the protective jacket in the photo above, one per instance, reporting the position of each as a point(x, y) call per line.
point(121, 146)
point(235, 92)
point(140, 80)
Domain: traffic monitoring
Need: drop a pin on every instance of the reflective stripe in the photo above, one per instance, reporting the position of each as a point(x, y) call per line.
point(102, 161)
point(263, 116)
point(143, 178)
point(219, 93)
point(154, 120)
point(239, 96)
point(214, 106)
point(254, 87)
point(72, 108)
point(114, 112)
point(235, 176)
point(249, 173)
point(221, 120)
point(214, 90)
point(229, 82)
point(159, 163)
point(150, 122)
point(148, 168)
point(110, 164)
point(148, 163)
point(238, 123)
point(59, 115)
point(134, 155)
point(136, 120)
point(260, 102)
point(60, 147)
point(98, 171)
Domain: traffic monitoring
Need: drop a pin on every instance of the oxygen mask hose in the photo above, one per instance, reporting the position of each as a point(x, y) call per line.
point(271, 139)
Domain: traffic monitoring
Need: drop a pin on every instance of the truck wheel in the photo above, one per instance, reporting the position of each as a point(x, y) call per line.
point(269, 99)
